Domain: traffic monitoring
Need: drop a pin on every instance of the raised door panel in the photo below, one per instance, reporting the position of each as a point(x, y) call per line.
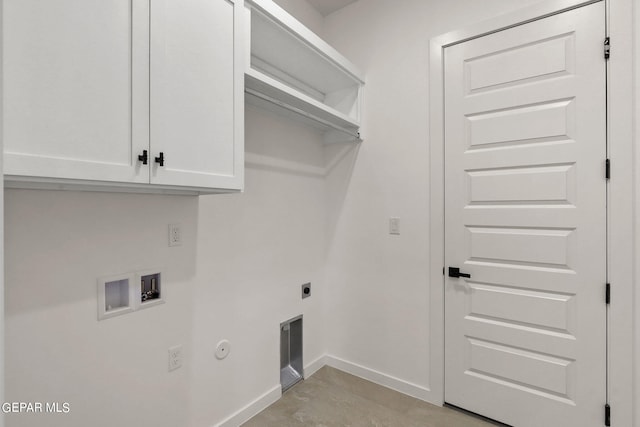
point(75, 89)
point(197, 85)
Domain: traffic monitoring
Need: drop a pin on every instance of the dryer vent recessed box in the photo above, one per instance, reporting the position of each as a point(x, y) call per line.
point(291, 365)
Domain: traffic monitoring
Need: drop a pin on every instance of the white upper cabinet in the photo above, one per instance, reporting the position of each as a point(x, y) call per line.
point(68, 89)
point(290, 67)
point(197, 101)
point(89, 87)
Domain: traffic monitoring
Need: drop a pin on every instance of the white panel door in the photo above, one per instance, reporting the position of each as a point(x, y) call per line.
point(525, 205)
point(197, 93)
point(76, 88)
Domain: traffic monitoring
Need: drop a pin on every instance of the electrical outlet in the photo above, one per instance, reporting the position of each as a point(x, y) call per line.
point(175, 358)
point(306, 290)
point(175, 235)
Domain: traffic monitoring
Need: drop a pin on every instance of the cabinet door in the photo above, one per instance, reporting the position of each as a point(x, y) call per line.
point(76, 89)
point(197, 93)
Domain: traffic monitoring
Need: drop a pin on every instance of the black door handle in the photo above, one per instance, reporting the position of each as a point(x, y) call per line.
point(455, 272)
point(160, 159)
point(144, 157)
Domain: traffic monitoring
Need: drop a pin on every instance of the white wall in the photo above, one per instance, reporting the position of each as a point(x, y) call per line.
point(237, 276)
point(377, 284)
point(254, 253)
point(112, 372)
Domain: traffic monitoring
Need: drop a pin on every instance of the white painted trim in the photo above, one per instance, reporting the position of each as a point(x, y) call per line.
point(239, 65)
point(621, 194)
point(436, 222)
point(397, 384)
point(246, 413)
point(314, 366)
point(636, 229)
point(512, 19)
point(621, 214)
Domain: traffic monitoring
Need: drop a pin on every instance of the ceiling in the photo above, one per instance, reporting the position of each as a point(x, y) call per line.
point(325, 7)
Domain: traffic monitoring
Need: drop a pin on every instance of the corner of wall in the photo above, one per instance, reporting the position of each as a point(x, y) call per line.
point(304, 12)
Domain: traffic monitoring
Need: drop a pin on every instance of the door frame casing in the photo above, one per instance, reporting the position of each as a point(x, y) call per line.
point(620, 203)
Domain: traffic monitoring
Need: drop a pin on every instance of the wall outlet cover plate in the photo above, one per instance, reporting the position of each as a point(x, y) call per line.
point(175, 357)
point(306, 290)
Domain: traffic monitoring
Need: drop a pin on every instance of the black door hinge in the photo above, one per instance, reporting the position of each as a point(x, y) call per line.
point(607, 415)
point(607, 297)
point(607, 169)
point(607, 47)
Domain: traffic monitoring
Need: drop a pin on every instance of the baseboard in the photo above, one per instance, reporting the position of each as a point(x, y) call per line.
point(271, 396)
point(314, 366)
point(402, 386)
point(245, 414)
point(255, 407)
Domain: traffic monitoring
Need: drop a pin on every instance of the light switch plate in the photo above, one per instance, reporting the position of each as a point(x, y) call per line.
point(394, 226)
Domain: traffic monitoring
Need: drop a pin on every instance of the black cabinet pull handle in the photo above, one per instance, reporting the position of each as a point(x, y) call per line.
point(455, 272)
point(144, 157)
point(160, 159)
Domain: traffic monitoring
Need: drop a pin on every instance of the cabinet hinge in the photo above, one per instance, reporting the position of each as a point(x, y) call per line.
point(607, 169)
point(443, 271)
point(607, 297)
point(607, 415)
point(607, 47)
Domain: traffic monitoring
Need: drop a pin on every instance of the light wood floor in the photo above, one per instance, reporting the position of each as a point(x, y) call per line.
point(332, 398)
